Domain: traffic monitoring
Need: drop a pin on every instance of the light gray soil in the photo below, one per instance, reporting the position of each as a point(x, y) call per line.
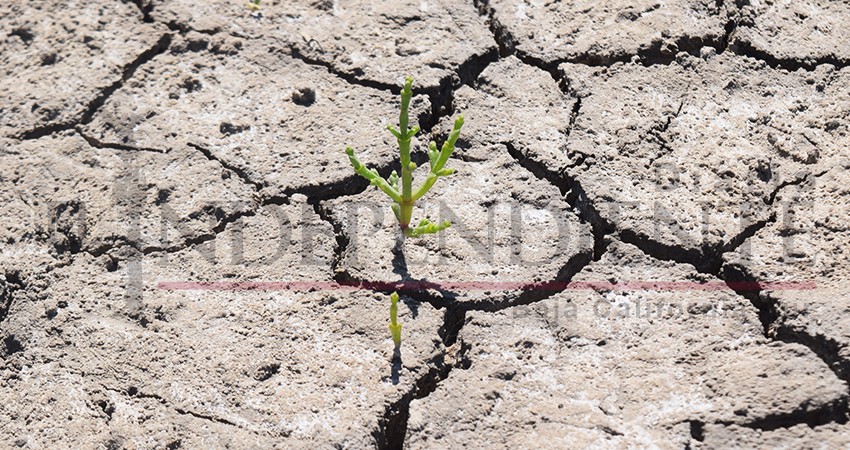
point(650, 244)
point(621, 368)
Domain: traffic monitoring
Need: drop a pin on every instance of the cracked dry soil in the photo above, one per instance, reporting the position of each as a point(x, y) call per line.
point(651, 244)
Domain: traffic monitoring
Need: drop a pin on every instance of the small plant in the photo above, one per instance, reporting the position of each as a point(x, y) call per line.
point(395, 327)
point(254, 5)
point(400, 189)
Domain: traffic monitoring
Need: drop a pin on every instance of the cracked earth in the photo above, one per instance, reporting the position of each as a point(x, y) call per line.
point(650, 245)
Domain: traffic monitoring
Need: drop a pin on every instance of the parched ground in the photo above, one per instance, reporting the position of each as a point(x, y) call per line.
point(650, 249)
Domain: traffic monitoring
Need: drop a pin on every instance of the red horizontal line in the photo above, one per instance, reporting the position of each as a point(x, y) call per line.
point(483, 286)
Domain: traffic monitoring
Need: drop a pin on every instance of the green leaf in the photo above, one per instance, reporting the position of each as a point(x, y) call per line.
point(449, 145)
point(413, 132)
point(427, 227)
point(372, 176)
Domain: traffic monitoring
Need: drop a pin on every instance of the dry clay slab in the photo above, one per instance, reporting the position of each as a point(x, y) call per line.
point(686, 159)
point(620, 367)
point(814, 28)
point(58, 62)
point(277, 122)
point(62, 196)
point(802, 259)
point(373, 43)
point(601, 33)
point(109, 355)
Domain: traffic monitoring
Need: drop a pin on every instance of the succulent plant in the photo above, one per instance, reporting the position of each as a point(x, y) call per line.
point(400, 188)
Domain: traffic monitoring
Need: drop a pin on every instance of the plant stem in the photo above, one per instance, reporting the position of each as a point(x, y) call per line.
point(406, 203)
point(395, 327)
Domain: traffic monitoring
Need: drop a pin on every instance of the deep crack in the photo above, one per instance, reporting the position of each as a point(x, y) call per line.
point(791, 65)
point(827, 349)
point(503, 37)
point(392, 425)
point(707, 258)
point(574, 194)
point(775, 328)
point(10, 283)
point(145, 9)
point(831, 412)
point(341, 238)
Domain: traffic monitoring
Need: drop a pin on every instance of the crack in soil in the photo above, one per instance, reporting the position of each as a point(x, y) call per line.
point(744, 49)
point(441, 96)
point(791, 65)
point(184, 28)
point(223, 219)
point(826, 349)
point(712, 258)
point(196, 240)
point(355, 79)
point(205, 417)
point(145, 9)
point(707, 258)
point(351, 185)
point(573, 116)
point(832, 412)
point(655, 54)
point(134, 392)
point(392, 425)
point(503, 37)
point(126, 73)
point(10, 283)
point(775, 329)
point(574, 194)
point(96, 143)
point(442, 100)
point(730, 28)
point(659, 131)
point(341, 238)
point(241, 173)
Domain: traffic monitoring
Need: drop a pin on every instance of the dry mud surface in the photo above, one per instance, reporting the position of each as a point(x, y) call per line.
point(650, 249)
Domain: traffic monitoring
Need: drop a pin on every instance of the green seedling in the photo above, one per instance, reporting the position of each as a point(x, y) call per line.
point(395, 327)
point(400, 189)
point(254, 5)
